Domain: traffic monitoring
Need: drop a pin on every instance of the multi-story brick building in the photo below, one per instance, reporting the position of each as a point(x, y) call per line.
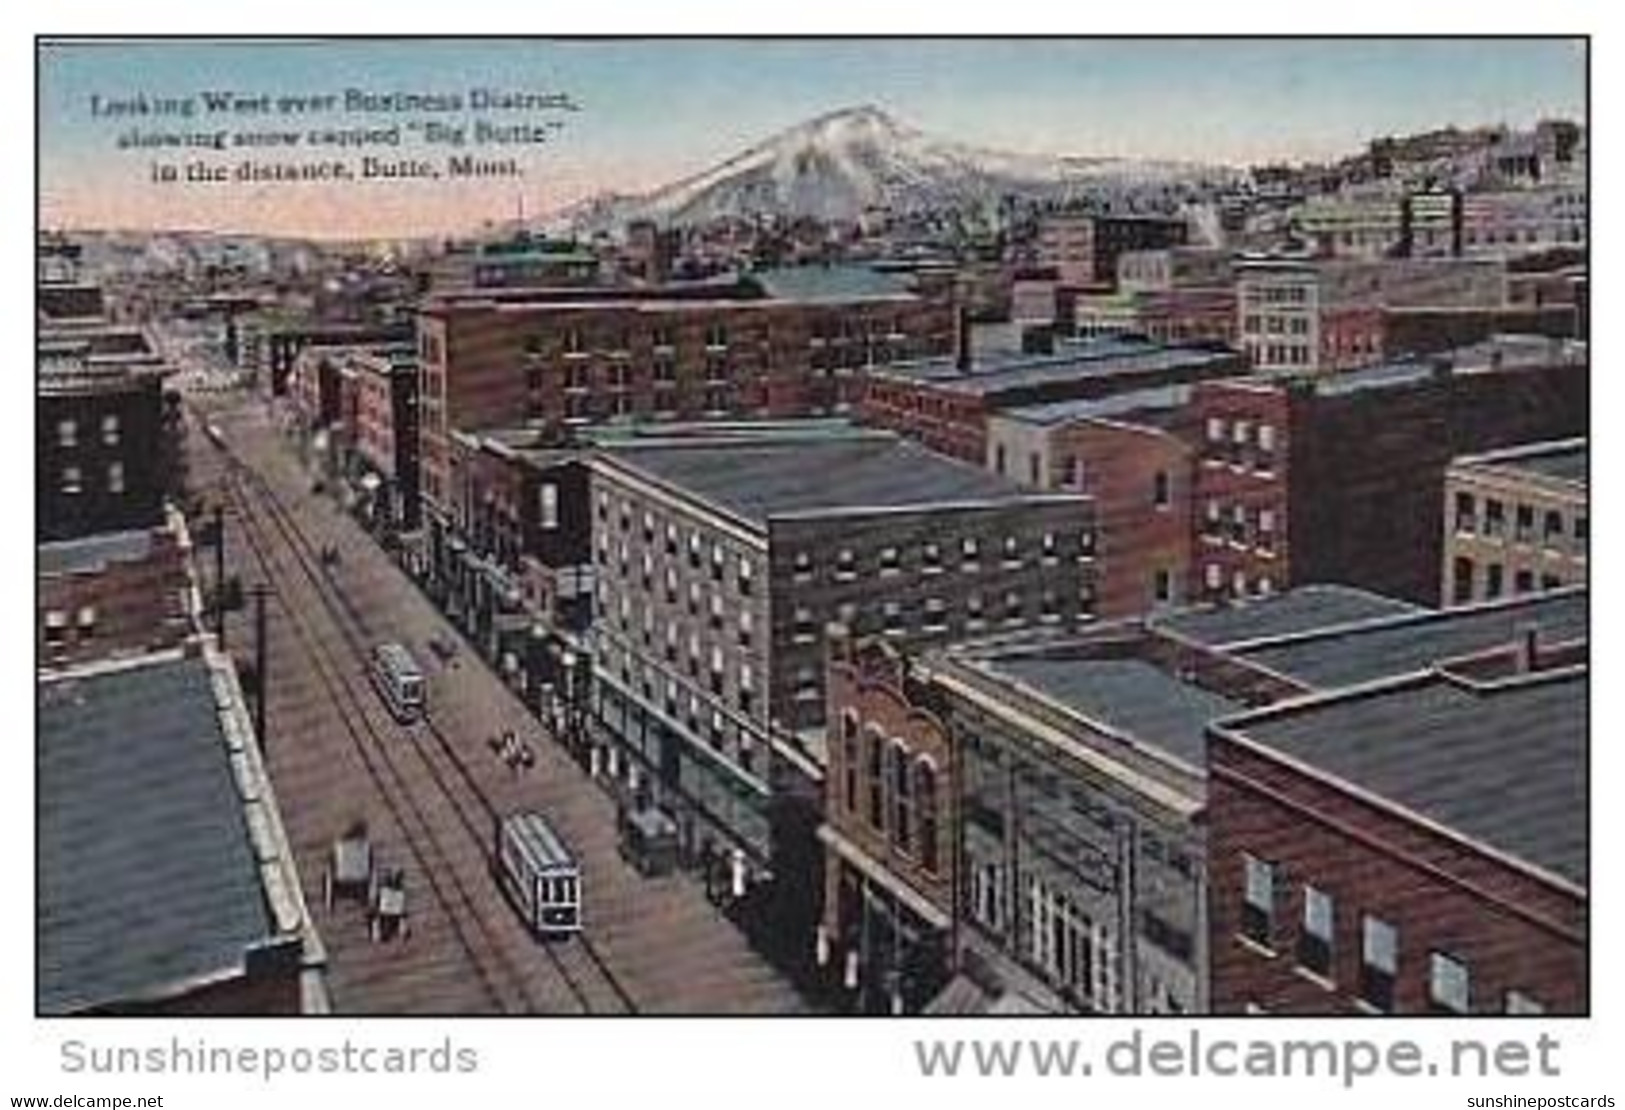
point(1326, 315)
point(1412, 846)
point(1128, 455)
point(720, 565)
point(946, 405)
point(114, 593)
point(784, 343)
point(1338, 479)
point(1083, 250)
point(166, 881)
point(1515, 521)
point(384, 438)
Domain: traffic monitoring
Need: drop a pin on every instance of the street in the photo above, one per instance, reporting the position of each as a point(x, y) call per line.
point(429, 792)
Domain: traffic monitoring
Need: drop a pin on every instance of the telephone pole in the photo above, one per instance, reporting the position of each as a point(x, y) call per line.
point(261, 683)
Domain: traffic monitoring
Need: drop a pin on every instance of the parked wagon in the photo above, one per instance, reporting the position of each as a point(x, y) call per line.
point(649, 842)
point(538, 874)
point(386, 909)
point(349, 867)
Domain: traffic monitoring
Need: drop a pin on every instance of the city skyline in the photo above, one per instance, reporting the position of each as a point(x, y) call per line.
point(654, 112)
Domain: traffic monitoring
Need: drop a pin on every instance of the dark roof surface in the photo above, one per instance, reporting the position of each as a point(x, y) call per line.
point(1563, 460)
point(1302, 609)
point(94, 552)
point(1363, 653)
point(1504, 765)
point(1130, 696)
point(818, 284)
point(147, 876)
point(1105, 358)
point(758, 481)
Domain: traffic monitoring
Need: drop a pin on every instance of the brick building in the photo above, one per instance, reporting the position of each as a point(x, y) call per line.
point(139, 913)
point(114, 593)
point(718, 569)
point(1083, 250)
point(1516, 520)
point(1412, 846)
point(1305, 479)
point(1304, 315)
point(1128, 455)
point(946, 405)
point(784, 343)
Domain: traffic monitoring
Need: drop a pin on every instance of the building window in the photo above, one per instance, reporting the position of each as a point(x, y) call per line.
point(1461, 580)
point(745, 628)
point(893, 619)
point(873, 752)
point(1524, 526)
point(115, 477)
point(802, 568)
point(1494, 580)
point(1582, 533)
point(717, 562)
point(1161, 496)
point(67, 433)
point(889, 561)
point(849, 760)
point(1258, 905)
point(56, 626)
point(1215, 429)
point(1162, 586)
point(1379, 962)
point(936, 615)
point(746, 577)
point(1494, 517)
point(932, 559)
point(1014, 609)
point(998, 458)
point(902, 830)
point(1266, 438)
point(548, 508)
point(802, 629)
point(1552, 531)
point(72, 481)
point(925, 799)
point(110, 430)
point(1315, 942)
point(973, 609)
point(1012, 551)
point(1523, 582)
point(1449, 987)
point(1071, 472)
point(846, 565)
point(968, 550)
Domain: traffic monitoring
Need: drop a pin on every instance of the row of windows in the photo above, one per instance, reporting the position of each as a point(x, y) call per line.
point(932, 557)
point(896, 618)
point(1241, 432)
point(1449, 977)
point(894, 790)
point(73, 479)
point(1465, 585)
point(1492, 521)
point(675, 542)
point(1240, 584)
point(1240, 525)
point(1275, 325)
point(67, 431)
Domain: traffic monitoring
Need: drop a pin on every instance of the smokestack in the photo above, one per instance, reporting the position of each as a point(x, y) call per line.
point(962, 360)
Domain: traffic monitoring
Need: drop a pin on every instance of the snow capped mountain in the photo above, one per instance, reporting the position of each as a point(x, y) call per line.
point(838, 165)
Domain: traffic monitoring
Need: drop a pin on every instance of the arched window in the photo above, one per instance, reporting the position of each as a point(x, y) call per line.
point(849, 761)
point(925, 801)
point(902, 790)
point(873, 749)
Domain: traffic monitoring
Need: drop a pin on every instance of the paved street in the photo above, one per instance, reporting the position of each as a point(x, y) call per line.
point(427, 792)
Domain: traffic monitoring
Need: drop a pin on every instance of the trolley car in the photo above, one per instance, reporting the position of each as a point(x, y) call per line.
point(538, 874)
point(399, 681)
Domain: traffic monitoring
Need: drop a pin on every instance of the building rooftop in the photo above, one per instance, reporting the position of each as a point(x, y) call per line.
point(1501, 763)
point(1133, 697)
point(149, 880)
point(1104, 358)
point(1559, 461)
point(63, 301)
point(1155, 399)
point(1368, 650)
point(847, 472)
point(1302, 609)
point(92, 553)
point(831, 283)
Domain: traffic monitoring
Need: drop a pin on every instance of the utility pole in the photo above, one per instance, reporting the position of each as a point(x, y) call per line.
point(220, 575)
point(261, 682)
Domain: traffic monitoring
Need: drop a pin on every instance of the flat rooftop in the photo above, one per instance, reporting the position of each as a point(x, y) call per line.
point(1133, 697)
point(1367, 650)
point(148, 879)
point(1153, 400)
point(1301, 609)
point(1098, 359)
point(1501, 763)
point(1559, 461)
point(814, 284)
point(93, 553)
point(1500, 352)
point(758, 480)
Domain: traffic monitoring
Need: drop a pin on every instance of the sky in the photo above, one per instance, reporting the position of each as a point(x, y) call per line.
point(652, 111)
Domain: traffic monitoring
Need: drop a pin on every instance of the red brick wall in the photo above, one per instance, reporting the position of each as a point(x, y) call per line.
point(1231, 479)
point(1514, 931)
point(137, 606)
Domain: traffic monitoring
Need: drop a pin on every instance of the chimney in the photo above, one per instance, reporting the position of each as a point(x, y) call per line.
point(1526, 648)
point(962, 360)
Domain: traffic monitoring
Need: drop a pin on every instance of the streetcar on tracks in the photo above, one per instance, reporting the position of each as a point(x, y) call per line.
point(539, 875)
point(399, 680)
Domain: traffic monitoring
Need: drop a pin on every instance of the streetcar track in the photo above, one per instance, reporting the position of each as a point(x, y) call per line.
point(356, 636)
